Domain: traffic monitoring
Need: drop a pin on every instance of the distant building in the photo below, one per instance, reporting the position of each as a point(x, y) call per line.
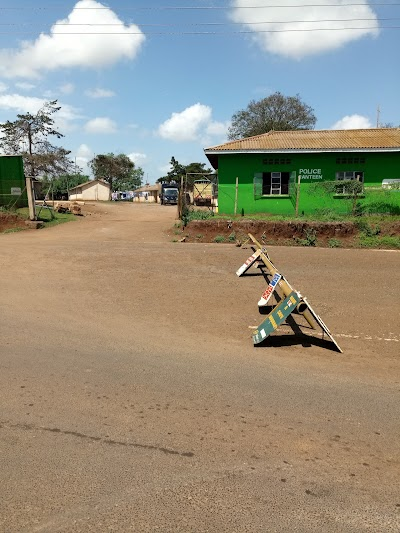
point(91, 191)
point(148, 193)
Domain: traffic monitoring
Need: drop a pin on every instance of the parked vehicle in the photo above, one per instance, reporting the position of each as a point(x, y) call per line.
point(203, 192)
point(169, 193)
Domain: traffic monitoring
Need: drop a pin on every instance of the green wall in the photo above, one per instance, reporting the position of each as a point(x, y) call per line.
point(375, 166)
point(12, 182)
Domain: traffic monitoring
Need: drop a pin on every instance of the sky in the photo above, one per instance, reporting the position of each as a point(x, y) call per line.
point(155, 80)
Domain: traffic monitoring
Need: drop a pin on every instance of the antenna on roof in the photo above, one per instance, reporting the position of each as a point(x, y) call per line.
point(378, 112)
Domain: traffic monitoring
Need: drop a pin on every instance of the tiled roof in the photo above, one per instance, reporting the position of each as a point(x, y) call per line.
point(329, 140)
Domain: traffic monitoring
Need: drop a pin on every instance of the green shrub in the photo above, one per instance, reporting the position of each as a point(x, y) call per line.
point(366, 228)
point(232, 237)
point(334, 243)
point(219, 238)
point(376, 241)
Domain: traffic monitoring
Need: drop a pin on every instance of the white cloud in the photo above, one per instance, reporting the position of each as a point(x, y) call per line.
point(82, 157)
point(84, 152)
point(99, 93)
point(191, 124)
point(137, 157)
point(25, 86)
point(352, 122)
point(18, 104)
point(101, 125)
point(62, 48)
point(218, 129)
point(67, 88)
point(270, 25)
point(21, 104)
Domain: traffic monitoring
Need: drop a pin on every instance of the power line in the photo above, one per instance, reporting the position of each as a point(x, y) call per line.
point(187, 8)
point(208, 23)
point(211, 32)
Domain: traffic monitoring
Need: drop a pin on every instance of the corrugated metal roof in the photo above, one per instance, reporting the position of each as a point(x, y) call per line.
point(149, 188)
point(329, 140)
point(90, 182)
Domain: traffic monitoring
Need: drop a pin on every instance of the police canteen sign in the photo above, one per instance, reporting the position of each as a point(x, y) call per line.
point(310, 174)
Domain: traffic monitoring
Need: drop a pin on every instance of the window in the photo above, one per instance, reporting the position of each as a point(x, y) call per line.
point(276, 183)
point(350, 160)
point(348, 175)
point(276, 161)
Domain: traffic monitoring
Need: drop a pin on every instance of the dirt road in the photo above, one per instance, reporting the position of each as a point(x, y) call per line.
point(132, 398)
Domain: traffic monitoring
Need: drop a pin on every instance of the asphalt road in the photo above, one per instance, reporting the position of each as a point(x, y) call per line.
point(132, 398)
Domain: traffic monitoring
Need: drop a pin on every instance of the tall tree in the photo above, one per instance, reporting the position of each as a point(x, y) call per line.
point(60, 185)
point(276, 112)
point(178, 171)
point(29, 136)
point(118, 170)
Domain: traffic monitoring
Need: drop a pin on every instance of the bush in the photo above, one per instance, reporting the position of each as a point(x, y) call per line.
point(334, 243)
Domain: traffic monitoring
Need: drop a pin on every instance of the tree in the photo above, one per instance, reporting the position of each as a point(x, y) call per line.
point(118, 170)
point(60, 185)
point(276, 112)
point(178, 171)
point(29, 136)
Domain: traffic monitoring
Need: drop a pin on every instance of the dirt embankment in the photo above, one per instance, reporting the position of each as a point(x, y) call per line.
point(344, 234)
point(11, 221)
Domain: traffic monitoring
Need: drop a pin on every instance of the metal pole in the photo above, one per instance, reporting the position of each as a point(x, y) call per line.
point(298, 195)
point(236, 195)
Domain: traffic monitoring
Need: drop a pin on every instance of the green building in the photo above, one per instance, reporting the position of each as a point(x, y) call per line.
point(272, 172)
point(12, 182)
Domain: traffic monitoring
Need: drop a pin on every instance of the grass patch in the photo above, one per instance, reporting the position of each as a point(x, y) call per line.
point(379, 241)
point(334, 243)
point(310, 238)
point(13, 230)
point(219, 238)
point(46, 218)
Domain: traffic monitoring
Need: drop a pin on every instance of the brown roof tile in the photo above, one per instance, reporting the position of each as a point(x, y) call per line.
point(329, 140)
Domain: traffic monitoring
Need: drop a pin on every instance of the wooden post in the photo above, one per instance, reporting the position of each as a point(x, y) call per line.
point(31, 199)
point(236, 195)
point(298, 195)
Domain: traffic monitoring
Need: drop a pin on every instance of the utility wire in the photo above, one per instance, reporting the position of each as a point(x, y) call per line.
point(207, 23)
point(186, 8)
point(209, 32)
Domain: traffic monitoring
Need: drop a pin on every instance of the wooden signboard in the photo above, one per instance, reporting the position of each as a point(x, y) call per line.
point(276, 317)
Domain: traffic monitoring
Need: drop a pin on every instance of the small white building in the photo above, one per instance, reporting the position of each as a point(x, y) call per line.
point(91, 191)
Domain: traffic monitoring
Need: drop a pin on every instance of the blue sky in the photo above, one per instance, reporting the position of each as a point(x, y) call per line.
point(156, 79)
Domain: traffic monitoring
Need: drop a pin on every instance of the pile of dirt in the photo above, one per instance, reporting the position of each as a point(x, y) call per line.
point(11, 221)
point(280, 232)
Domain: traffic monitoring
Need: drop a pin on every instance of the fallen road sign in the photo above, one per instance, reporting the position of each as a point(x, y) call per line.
point(283, 288)
point(276, 317)
point(322, 325)
point(266, 295)
point(250, 261)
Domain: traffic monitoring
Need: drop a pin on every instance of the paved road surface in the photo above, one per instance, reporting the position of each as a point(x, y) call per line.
point(132, 398)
